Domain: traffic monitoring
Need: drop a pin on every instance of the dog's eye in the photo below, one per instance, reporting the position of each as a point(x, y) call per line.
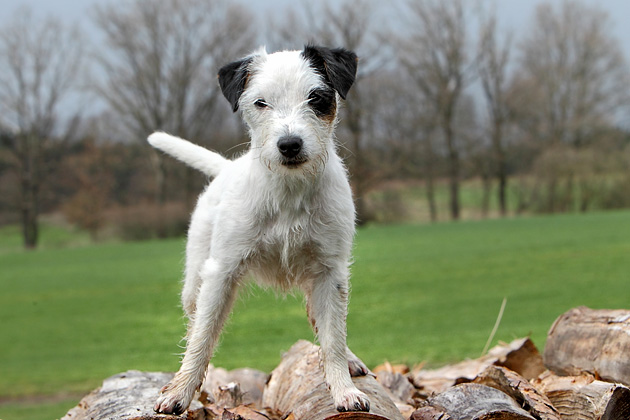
point(260, 103)
point(322, 102)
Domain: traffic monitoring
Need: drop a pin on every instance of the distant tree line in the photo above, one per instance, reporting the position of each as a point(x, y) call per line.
point(444, 95)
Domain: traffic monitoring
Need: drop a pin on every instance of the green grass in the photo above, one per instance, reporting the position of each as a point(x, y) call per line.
point(51, 236)
point(71, 317)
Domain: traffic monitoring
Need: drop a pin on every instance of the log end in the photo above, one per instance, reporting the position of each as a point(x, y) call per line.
point(618, 407)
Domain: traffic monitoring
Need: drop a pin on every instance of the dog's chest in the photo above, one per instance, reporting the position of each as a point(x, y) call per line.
point(286, 251)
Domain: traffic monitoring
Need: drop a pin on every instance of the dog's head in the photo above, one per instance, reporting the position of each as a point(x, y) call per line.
point(289, 101)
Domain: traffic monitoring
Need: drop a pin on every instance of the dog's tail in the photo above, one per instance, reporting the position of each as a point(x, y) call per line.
point(202, 159)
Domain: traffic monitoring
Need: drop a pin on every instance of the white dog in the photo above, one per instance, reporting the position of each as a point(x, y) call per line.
point(282, 212)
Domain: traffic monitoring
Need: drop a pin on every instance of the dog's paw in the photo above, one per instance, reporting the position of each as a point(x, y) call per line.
point(173, 400)
point(352, 400)
point(357, 367)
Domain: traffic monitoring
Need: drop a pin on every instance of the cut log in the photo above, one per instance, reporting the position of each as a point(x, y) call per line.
point(521, 391)
point(585, 398)
point(250, 382)
point(229, 396)
point(388, 367)
point(478, 402)
point(398, 386)
point(594, 341)
point(400, 391)
point(429, 413)
point(520, 355)
point(130, 396)
point(242, 412)
point(297, 390)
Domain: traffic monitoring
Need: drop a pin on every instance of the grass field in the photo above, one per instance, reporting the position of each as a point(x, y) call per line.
point(69, 317)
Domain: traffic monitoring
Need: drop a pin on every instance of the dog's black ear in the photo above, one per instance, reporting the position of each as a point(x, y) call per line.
point(232, 80)
point(338, 66)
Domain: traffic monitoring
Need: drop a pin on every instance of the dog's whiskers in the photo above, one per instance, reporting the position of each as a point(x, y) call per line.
point(237, 145)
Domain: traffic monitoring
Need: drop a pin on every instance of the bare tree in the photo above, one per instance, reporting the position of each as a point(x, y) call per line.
point(161, 63)
point(573, 75)
point(492, 64)
point(436, 56)
point(405, 132)
point(346, 24)
point(40, 63)
point(571, 83)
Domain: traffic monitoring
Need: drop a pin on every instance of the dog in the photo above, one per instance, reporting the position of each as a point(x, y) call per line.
point(282, 212)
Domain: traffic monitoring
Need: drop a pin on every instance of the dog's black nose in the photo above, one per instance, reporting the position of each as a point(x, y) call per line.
point(290, 146)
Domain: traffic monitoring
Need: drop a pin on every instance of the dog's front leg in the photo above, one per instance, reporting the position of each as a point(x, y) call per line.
point(214, 302)
point(328, 303)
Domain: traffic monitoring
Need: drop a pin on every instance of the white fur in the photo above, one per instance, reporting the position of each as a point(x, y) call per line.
point(290, 227)
point(199, 158)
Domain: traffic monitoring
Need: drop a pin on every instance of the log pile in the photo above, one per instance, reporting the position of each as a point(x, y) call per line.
point(584, 374)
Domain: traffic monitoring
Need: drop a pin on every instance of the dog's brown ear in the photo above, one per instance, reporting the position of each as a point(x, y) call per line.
point(232, 80)
point(338, 66)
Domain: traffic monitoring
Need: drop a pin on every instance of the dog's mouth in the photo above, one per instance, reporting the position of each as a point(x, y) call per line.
point(293, 163)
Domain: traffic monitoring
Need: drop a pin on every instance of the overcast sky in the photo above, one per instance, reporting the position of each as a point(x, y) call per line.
point(513, 14)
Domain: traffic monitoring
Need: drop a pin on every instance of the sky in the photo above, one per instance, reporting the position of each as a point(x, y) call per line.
point(513, 14)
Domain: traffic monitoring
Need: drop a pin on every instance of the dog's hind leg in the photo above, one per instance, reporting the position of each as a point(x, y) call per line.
point(197, 253)
point(214, 302)
point(356, 365)
point(328, 302)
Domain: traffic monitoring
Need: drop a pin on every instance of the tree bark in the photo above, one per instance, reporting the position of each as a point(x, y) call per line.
point(430, 176)
point(28, 152)
point(358, 169)
point(297, 389)
point(520, 356)
point(594, 341)
point(453, 171)
point(479, 402)
point(30, 211)
point(501, 167)
point(521, 391)
point(129, 396)
point(584, 398)
point(251, 383)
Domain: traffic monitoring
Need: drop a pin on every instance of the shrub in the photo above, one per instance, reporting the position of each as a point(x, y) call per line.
point(149, 221)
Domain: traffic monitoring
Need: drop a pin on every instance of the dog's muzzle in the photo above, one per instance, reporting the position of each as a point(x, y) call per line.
point(290, 148)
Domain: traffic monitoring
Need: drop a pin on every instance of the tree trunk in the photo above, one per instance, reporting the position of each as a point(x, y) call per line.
point(30, 197)
point(431, 199)
point(430, 178)
point(502, 192)
point(297, 389)
point(501, 168)
point(453, 172)
point(594, 341)
point(358, 170)
point(159, 171)
point(485, 198)
point(30, 228)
